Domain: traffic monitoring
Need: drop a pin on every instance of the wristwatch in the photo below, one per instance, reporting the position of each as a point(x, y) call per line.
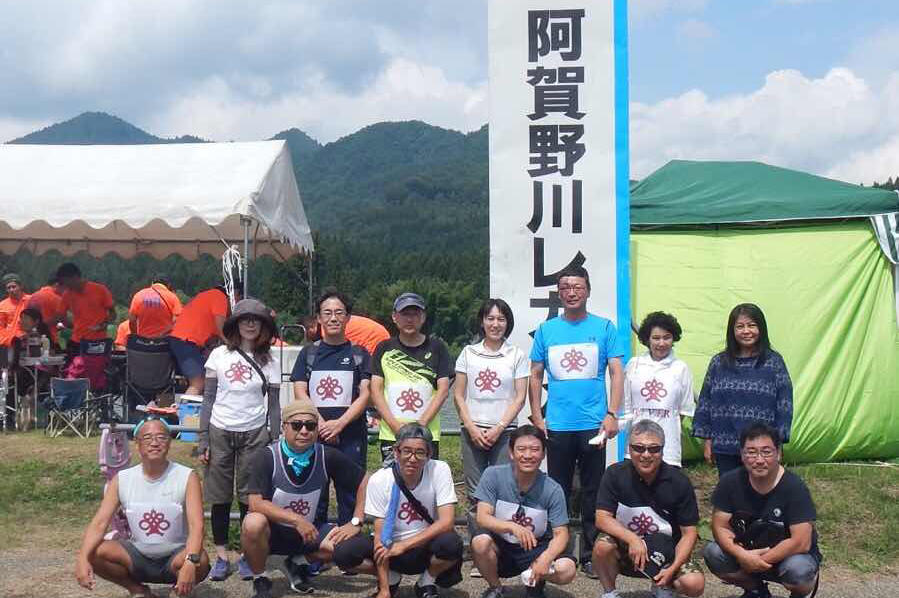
point(194, 558)
point(613, 414)
point(356, 521)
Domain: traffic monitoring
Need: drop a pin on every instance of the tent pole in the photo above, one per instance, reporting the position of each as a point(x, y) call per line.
point(246, 255)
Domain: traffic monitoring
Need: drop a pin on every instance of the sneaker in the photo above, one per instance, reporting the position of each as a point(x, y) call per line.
point(662, 592)
point(262, 587)
point(297, 576)
point(317, 567)
point(610, 594)
point(475, 572)
point(759, 592)
point(221, 570)
point(535, 591)
point(428, 591)
point(587, 569)
point(243, 569)
point(493, 593)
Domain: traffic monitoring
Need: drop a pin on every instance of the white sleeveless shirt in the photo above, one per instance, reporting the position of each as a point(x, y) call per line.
point(155, 508)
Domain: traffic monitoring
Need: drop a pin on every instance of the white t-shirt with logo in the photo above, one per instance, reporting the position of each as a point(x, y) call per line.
point(434, 490)
point(491, 379)
point(239, 405)
point(660, 391)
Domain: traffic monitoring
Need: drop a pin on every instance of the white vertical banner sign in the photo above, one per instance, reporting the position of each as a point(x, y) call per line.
point(559, 158)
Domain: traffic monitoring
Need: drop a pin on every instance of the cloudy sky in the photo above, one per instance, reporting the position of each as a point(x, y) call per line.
point(808, 84)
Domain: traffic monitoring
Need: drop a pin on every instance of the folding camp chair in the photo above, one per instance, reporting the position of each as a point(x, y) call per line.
point(150, 370)
point(70, 407)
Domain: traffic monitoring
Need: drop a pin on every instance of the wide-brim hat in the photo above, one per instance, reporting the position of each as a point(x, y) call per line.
point(249, 307)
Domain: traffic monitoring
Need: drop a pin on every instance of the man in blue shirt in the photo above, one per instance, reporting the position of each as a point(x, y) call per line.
point(574, 350)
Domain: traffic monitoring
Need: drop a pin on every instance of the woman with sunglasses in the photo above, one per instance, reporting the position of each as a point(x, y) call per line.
point(490, 389)
point(240, 407)
point(745, 383)
point(657, 385)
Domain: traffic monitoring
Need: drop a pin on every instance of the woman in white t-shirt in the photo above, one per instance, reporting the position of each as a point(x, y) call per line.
point(657, 385)
point(240, 407)
point(490, 389)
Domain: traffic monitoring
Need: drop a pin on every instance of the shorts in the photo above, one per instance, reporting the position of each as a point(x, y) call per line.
point(230, 458)
point(288, 542)
point(188, 356)
point(626, 565)
point(145, 569)
point(446, 546)
point(512, 559)
point(796, 569)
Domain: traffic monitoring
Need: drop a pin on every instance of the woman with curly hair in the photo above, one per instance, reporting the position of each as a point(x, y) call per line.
point(657, 385)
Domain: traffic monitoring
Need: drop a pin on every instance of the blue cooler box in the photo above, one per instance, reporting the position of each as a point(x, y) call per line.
point(189, 415)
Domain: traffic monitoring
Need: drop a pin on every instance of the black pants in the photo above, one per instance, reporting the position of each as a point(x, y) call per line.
point(565, 451)
point(446, 547)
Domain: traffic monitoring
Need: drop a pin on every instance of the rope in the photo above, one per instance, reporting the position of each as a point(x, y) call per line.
point(231, 262)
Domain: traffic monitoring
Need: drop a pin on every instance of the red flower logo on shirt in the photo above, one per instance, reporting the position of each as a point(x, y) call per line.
point(574, 361)
point(410, 400)
point(300, 507)
point(154, 522)
point(523, 520)
point(487, 380)
point(643, 524)
point(239, 372)
point(329, 388)
point(408, 513)
point(654, 390)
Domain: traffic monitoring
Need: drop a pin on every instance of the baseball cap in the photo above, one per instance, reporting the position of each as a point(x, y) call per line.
point(408, 300)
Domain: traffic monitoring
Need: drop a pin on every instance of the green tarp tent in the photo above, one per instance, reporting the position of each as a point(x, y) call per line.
point(814, 254)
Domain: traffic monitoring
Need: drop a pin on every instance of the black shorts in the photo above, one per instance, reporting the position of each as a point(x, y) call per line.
point(145, 569)
point(447, 546)
point(512, 559)
point(288, 542)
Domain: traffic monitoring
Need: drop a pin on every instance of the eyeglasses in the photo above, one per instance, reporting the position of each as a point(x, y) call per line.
point(653, 449)
point(249, 320)
point(160, 438)
point(577, 288)
point(338, 314)
point(408, 453)
point(765, 453)
point(310, 425)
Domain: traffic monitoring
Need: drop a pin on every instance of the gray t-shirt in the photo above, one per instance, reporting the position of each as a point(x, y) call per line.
point(541, 508)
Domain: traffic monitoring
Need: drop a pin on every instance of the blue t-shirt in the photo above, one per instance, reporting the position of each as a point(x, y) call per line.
point(575, 355)
point(541, 508)
point(334, 381)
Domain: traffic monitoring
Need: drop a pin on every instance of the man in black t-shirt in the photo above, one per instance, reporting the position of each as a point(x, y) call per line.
point(764, 522)
point(333, 373)
point(286, 484)
point(409, 375)
point(646, 514)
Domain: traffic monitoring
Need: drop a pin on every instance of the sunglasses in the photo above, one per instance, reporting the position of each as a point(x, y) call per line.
point(310, 425)
point(654, 449)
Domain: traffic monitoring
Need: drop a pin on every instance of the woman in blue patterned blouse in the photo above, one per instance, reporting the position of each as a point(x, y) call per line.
point(745, 383)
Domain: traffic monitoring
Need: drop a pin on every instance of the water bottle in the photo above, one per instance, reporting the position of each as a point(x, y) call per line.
point(527, 576)
point(45, 346)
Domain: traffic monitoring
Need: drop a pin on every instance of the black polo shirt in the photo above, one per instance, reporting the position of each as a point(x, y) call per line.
point(668, 502)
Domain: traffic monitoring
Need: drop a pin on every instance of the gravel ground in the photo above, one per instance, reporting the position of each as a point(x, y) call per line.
point(50, 572)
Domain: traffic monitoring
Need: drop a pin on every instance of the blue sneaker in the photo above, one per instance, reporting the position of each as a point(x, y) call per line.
point(243, 569)
point(221, 570)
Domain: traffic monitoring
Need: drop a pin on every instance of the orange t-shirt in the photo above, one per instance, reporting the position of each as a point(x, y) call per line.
point(50, 305)
point(197, 320)
point(9, 319)
point(89, 307)
point(122, 333)
point(365, 332)
point(155, 308)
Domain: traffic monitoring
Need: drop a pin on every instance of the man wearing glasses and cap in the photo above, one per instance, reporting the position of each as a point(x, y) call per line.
point(164, 506)
point(646, 513)
point(409, 375)
point(285, 487)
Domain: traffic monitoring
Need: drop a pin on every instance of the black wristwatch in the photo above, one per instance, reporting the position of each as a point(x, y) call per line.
point(614, 415)
point(194, 558)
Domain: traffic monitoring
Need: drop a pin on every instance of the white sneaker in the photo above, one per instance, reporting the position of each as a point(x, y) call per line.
point(662, 592)
point(475, 572)
point(610, 594)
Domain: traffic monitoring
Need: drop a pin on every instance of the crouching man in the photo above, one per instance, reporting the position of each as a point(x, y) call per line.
point(763, 522)
point(284, 491)
point(164, 506)
point(524, 519)
point(413, 505)
point(646, 513)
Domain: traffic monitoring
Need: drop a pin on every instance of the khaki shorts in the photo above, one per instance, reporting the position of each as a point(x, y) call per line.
point(626, 566)
point(230, 457)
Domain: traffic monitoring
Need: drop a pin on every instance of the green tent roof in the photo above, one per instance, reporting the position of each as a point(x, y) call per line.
point(688, 192)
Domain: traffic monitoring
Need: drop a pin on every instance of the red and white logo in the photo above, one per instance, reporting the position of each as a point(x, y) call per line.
point(410, 400)
point(574, 361)
point(239, 372)
point(487, 381)
point(300, 507)
point(408, 513)
point(642, 525)
point(154, 522)
point(653, 390)
point(523, 520)
point(329, 388)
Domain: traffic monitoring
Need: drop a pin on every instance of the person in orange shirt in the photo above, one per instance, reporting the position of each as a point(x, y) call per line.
point(121, 335)
point(11, 309)
point(154, 309)
point(365, 332)
point(90, 304)
point(48, 300)
point(200, 320)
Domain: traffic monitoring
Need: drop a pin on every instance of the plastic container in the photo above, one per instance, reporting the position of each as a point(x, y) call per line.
point(189, 415)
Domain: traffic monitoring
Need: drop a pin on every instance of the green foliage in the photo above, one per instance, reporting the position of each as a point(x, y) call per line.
point(49, 483)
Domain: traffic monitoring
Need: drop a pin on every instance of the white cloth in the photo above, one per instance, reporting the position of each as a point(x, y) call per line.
point(434, 490)
point(491, 377)
point(533, 518)
point(577, 361)
point(239, 404)
point(155, 508)
point(660, 391)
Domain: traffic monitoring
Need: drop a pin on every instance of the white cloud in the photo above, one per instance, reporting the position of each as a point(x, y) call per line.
point(836, 125)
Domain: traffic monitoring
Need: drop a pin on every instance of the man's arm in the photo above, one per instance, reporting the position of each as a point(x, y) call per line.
point(540, 566)
point(276, 514)
point(636, 548)
point(187, 574)
point(436, 401)
point(348, 530)
point(93, 535)
point(616, 377)
point(380, 403)
point(749, 560)
point(356, 408)
point(535, 394)
point(133, 323)
point(799, 542)
point(381, 558)
point(219, 326)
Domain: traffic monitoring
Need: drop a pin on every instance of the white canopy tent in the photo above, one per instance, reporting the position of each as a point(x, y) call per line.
point(186, 199)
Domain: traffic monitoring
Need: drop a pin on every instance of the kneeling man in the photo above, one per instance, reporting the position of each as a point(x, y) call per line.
point(164, 506)
point(413, 505)
point(647, 514)
point(763, 522)
point(524, 518)
point(284, 491)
